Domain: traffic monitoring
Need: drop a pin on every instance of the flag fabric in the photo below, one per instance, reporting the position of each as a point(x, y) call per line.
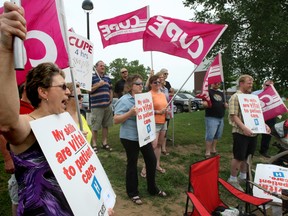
point(44, 41)
point(215, 71)
point(271, 103)
point(214, 74)
point(180, 38)
point(124, 28)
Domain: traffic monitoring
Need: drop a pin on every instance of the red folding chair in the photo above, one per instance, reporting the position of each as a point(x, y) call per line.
point(203, 189)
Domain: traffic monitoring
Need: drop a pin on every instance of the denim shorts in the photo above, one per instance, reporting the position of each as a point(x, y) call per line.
point(13, 189)
point(214, 128)
point(161, 127)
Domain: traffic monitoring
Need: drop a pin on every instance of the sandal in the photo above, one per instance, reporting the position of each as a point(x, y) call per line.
point(137, 200)
point(162, 194)
point(95, 149)
point(165, 153)
point(161, 170)
point(106, 147)
point(143, 173)
point(207, 156)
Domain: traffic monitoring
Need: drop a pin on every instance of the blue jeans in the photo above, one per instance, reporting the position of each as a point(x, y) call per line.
point(214, 128)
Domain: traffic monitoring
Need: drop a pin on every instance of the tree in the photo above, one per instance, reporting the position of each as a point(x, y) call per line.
point(255, 41)
point(133, 67)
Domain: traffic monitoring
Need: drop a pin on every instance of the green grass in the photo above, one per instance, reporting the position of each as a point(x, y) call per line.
point(189, 130)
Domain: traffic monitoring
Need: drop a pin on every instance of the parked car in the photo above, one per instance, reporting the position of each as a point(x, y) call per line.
point(196, 103)
point(182, 105)
point(85, 102)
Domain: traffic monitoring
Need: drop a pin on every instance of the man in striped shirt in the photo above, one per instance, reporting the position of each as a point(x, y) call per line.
point(101, 96)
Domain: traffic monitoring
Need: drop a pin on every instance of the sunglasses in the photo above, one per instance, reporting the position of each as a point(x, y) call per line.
point(79, 96)
point(63, 86)
point(165, 73)
point(124, 71)
point(156, 82)
point(138, 83)
point(267, 85)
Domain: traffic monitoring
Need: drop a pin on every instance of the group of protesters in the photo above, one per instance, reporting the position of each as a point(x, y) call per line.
point(38, 190)
point(47, 92)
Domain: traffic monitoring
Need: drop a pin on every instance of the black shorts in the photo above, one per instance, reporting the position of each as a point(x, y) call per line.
point(243, 146)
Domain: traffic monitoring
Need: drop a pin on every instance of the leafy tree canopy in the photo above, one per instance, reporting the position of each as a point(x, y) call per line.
point(255, 41)
point(133, 67)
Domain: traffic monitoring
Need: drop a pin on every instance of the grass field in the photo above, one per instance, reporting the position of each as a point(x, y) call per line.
point(188, 147)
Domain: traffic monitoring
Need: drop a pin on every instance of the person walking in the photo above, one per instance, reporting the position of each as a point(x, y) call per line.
point(101, 96)
point(214, 119)
point(125, 114)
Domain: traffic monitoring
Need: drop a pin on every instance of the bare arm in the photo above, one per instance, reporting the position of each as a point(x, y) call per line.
point(118, 119)
point(11, 23)
point(13, 127)
point(9, 165)
point(98, 85)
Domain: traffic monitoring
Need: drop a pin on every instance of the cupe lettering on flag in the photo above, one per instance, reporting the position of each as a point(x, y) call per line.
point(124, 28)
point(44, 41)
point(271, 103)
point(214, 74)
point(181, 38)
point(215, 71)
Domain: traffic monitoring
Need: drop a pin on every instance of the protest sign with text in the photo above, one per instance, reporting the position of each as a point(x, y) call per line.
point(252, 113)
point(81, 54)
point(272, 178)
point(75, 165)
point(145, 118)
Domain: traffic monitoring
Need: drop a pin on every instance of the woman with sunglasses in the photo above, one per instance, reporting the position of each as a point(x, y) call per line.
point(125, 114)
point(39, 191)
point(160, 110)
point(72, 109)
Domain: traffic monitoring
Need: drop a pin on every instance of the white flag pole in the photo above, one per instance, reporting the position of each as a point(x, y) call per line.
point(63, 26)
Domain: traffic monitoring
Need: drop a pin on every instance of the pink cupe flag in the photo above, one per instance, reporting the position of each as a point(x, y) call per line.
point(214, 74)
point(124, 28)
point(215, 71)
point(271, 103)
point(44, 41)
point(180, 38)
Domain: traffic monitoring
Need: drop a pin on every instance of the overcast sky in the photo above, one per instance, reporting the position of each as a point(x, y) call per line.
point(179, 69)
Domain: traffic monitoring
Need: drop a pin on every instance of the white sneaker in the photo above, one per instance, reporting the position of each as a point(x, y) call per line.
point(235, 184)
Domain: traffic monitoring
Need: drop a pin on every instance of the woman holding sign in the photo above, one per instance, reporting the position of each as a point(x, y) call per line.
point(160, 111)
point(39, 191)
point(125, 114)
